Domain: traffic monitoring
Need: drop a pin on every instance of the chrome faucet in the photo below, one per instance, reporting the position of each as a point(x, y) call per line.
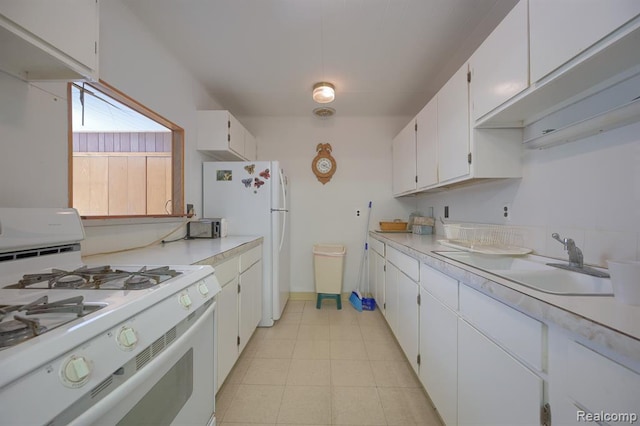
point(576, 259)
point(575, 254)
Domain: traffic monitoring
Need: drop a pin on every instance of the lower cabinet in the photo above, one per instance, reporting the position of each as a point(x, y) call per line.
point(376, 272)
point(250, 294)
point(494, 388)
point(439, 355)
point(238, 307)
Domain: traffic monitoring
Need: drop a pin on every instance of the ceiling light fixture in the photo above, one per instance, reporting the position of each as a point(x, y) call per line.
point(323, 92)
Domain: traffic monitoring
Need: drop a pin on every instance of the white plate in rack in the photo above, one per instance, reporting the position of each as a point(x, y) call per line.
point(499, 250)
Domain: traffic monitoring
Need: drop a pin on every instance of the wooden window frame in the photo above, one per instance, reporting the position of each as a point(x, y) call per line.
point(177, 149)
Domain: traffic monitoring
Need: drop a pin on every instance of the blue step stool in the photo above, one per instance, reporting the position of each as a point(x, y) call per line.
point(322, 296)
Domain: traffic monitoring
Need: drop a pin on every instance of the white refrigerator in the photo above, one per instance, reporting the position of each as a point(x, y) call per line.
point(253, 198)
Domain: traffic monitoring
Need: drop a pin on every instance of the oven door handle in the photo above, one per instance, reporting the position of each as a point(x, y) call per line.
point(93, 414)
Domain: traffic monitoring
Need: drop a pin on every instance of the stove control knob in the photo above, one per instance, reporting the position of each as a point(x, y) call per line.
point(127, 338)
point(185, 300)
point(75, 371)
point(203, 289)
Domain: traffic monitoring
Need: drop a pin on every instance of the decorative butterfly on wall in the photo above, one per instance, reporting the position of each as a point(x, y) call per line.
point(258, 183)
point(247, 182)
point(250, 168)
point(265, 174)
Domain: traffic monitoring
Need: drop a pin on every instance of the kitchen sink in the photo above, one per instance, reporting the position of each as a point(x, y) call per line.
point(532, 271)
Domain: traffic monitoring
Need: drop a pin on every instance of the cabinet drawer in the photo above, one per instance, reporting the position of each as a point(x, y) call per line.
point(599, 384)
point(226, 271)
point(377, 246)
point(250, 257)
point(519, 334)
point(408, 265)
point(441, 286)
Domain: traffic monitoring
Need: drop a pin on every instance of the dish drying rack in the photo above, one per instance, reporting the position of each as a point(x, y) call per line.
point(485, 238)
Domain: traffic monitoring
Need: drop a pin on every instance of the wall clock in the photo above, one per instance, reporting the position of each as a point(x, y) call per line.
point(323, 165)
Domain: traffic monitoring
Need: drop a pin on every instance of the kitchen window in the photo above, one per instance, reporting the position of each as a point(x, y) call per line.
point(126, 160)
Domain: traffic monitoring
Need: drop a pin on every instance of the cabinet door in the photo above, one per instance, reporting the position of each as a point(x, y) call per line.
point(500, 66)
point(250, 147)
point(407, 329)
point(391, 296)
point(427, 145)
point(494, 388)
point(453, 127)
point(227, 329)
point(376, 278)
point(236, 135)
point(250, 302)
point(560, 30)
point(404, 160)
point(69, 26)
point(439, 355)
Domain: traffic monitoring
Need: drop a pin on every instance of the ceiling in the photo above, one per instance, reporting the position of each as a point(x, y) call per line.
point(262, 57)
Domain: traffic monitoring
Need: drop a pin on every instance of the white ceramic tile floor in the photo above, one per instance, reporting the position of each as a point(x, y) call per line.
point(324, 367)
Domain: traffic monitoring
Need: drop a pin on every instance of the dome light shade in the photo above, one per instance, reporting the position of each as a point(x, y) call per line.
point(324, 93)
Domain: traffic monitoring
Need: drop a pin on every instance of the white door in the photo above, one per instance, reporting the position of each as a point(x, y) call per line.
point(403, 152)
point(427, 145)
point(407, 331)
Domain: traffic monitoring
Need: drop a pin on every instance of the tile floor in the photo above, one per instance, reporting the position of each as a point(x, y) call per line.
point(323, 367)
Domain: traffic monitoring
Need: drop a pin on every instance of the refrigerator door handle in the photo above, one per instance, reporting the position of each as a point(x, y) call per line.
point(279, 210)
point(284, 230)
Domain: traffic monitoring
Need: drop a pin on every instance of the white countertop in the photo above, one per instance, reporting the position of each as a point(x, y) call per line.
point(181, 252)
point(600, 319)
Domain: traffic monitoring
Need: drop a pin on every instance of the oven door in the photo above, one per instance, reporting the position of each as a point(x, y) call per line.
point(176, 387)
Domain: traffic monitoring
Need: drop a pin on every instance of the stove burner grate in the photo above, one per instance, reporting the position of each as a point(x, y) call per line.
point(21, 328)
point(101, 277)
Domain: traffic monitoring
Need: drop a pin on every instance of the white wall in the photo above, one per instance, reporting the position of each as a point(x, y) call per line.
point(588, 190)
point(327, 213)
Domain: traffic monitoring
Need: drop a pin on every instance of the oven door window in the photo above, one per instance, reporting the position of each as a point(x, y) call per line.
point(167, 397)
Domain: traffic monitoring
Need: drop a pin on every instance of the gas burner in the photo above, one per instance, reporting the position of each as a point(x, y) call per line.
point(61, 279)
point(100, 278)
point(136, 280)
point(20, 328)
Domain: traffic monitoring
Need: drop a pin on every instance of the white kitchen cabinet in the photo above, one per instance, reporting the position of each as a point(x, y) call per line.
point(439, 355)
point(403, 149)
point(408, 309)
point(221, 136)
point(376, 272)
point(45, 40)
point(453, 127)
point(439, 341)
point(227, 312)
point(589, 380)
point(427, 145)
point(391, 304)
point(559, 31)
point(493, 387)
point(500, 66)
point(402, 274)
point(250, 290)
point(239, 306)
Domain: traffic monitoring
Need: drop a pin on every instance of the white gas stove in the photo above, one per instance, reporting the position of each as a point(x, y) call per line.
point(99, 343)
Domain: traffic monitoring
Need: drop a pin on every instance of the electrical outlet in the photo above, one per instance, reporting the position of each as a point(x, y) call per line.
point(446, 212)
point(357, 213)
point(506, 212)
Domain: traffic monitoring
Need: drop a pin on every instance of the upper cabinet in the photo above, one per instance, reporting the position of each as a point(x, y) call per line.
point(403, 149)
point(49, 40)
point(559, 31)
point(427, 145)
point(453, 127)
point(221, 136)
point(579, 49)
point(500, 66)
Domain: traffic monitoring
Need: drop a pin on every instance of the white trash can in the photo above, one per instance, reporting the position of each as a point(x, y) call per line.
point(328, 265)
